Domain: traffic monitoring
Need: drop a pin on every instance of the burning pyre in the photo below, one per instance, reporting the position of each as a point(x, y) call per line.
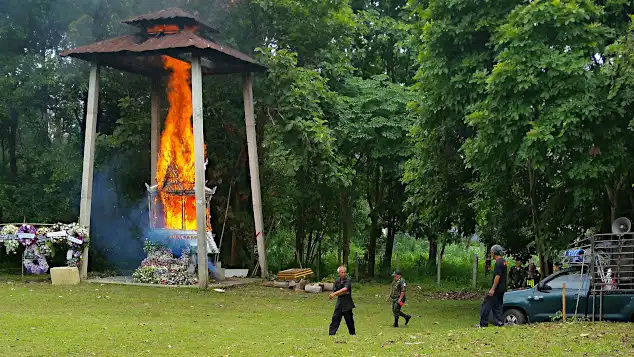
point(172, 201)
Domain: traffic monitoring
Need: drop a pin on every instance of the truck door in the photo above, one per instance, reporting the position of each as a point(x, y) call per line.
point(547, 297)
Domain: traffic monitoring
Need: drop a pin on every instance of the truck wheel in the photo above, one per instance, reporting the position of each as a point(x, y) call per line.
point(514, 317)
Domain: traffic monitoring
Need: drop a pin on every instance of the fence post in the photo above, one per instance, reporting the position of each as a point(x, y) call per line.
point(318, 259)
point(475, 270)
point(563, 301)
point(438, 261)
point(356, 267)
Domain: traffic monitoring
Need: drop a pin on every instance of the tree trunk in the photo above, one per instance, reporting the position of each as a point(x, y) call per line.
point(347, 228)
point(235, 244)
point(374, 200)
point(433, 248)
point(389, 246)
point(613, 196)
point(533, 198)
point(300, 233)
point(12, 142)
point(340, 245)
point(374, 234)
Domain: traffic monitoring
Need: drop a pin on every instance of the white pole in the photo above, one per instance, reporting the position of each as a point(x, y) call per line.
point(156, 127)
point(254, 171)
point(89, 158)
point(199, 167)
point(438, 263)
point(475, 270)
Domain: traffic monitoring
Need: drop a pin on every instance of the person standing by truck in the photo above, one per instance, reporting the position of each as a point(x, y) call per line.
point(533, 277)
point(517, 275)
point(494, 300)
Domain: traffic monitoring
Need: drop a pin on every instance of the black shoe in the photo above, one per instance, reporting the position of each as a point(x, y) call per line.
point(407, 319)
point(395, 322)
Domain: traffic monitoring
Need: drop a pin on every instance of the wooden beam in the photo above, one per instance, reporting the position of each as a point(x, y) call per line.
point(156, 126)
point(199, 168)
point(254, 171)
point(89, 158)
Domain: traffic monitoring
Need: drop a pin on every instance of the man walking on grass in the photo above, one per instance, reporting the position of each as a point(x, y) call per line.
point(344, 306)
point(397, 294)
point(494, 301)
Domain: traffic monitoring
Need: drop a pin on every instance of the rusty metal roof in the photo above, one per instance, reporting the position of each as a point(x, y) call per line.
point(133, 53)
point(173, 14)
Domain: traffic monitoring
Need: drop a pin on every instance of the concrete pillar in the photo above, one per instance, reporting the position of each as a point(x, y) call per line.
point(199, 167)
point(156, 126)
point(89, 158)
point(254, 171)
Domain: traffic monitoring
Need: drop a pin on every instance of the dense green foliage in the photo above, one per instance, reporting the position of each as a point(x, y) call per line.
point(436, 119)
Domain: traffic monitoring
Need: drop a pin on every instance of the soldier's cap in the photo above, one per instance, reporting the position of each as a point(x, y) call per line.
point(396, 272)
point(558, 264)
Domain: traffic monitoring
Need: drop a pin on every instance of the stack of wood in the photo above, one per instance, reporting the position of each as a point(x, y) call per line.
point(297, 279)
point(294, 274)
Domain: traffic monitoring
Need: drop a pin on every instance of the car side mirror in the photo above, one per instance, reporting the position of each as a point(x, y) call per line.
point(544, 287)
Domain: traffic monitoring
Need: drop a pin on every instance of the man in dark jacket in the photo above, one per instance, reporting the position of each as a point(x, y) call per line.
point(343, 308)
point(517, 275)
point(494, 301)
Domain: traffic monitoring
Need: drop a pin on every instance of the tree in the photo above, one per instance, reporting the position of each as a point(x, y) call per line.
point(535, 124)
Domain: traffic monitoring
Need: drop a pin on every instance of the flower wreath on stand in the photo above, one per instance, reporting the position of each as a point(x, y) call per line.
point(77, 240)
point(29, 229)
point(10, 245)
point(45, 246)
point(35, 261)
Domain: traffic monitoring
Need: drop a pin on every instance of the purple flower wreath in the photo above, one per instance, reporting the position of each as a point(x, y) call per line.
point(27, 228)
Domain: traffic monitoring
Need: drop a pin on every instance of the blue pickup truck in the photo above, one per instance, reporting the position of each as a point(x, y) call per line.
point(544, 301)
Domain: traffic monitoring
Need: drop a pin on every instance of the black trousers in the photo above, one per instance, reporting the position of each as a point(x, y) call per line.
point(336, 321)
point(493, 303)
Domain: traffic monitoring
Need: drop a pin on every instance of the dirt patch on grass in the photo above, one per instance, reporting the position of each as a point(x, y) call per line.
point(455, 295)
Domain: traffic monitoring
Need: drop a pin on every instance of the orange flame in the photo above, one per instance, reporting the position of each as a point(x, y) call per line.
point(169, 29)
point(175, 164)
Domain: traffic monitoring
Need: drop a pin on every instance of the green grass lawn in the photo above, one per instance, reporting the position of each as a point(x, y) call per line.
point(37, 319)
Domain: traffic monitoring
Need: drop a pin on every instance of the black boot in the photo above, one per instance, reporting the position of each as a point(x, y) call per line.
point(395, 321)
point(407, 317)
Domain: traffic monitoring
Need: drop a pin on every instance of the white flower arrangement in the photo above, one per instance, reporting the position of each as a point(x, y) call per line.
point(46, 248)
point(42, 231)
point(9, 229)
point(11, 246)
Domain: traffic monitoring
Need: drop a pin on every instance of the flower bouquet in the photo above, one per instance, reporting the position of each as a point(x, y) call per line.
point(73, 258)
point(41, 232)
point(9, 229)
point(45, 247)
point(161, 267)
point(11, 246)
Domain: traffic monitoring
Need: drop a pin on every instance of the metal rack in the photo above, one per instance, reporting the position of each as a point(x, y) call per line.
point(608, 260)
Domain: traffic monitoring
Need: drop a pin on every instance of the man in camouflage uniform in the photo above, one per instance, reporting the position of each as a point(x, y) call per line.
point(397, 295)
point(517, 275)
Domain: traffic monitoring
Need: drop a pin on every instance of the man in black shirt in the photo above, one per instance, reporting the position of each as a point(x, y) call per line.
point(344, 306)
point(494, 301)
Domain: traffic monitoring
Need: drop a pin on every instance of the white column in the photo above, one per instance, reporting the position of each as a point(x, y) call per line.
point(199, 164)
point(156, 127)
point(254, 171)
point(89, 158)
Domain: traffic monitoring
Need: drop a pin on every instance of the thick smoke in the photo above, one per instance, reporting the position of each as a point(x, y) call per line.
point(117, 224)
